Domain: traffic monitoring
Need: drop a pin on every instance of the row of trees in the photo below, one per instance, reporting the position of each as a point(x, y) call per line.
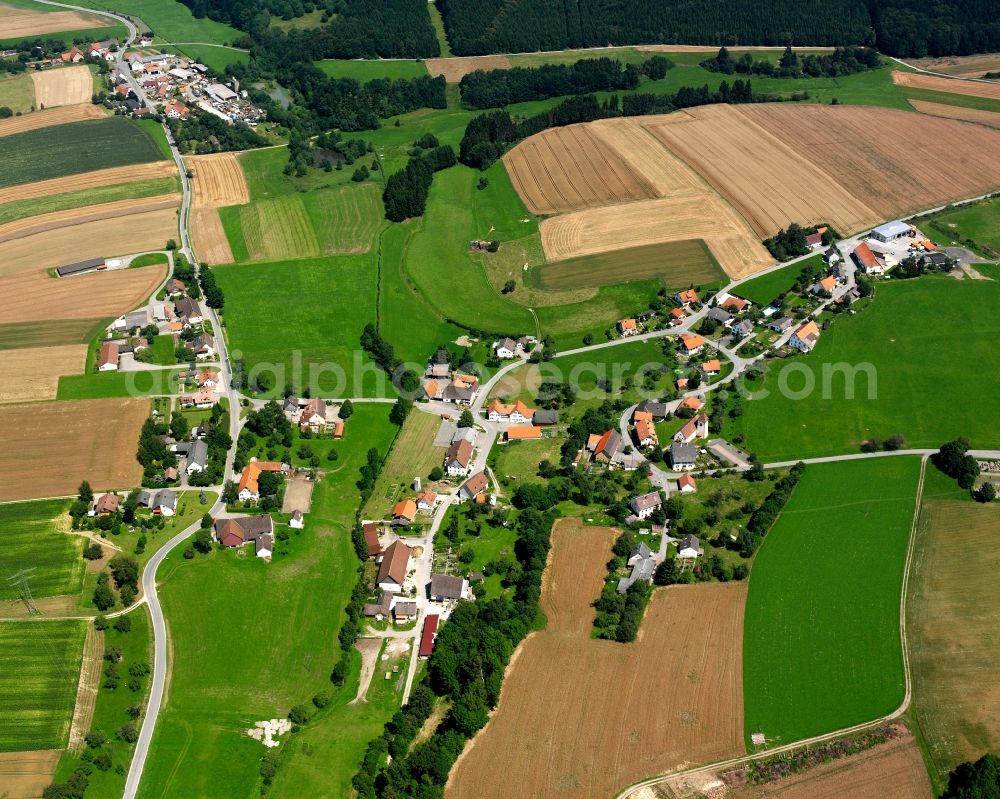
point(842, 61)
point(214, 297)
point(405, 194)
point(489, 135)
point(499, 87)
point(762, 519)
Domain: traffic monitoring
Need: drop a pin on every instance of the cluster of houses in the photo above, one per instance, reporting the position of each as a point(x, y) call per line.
point(457, 389)
point(507, 348)
point(171, 318)
point(249, 485)
point(312, 415)
point(162, 502)
point(406, 511)
point(643, 561)
point(174, 84)
point(888, 244)
point(612, 450)
point(524, 422)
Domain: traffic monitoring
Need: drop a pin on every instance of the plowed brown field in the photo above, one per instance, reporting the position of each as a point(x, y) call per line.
point(209, 237)
point(894, 770)
point(49, 447)
point(950, 85)
point(120, 209)
point(20, 22)
point(53, 116)
point(454, 69)
point(583, 718)
point(989, 118)
point(33, 374)
point(697, 214)
point(84, 180)
point(24, 775)
point(566, 169)
point(62, 86)
point(35, 296)
point(218, 180)
point(899, 162)
point(767, 181)
point(149, 230)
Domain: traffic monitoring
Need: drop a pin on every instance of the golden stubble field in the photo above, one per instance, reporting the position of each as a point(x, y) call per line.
point(85, 180)
point(119, 209)
point(30, 375)
point(24, 22)
point(969, 88)
point(63, 86)
point(218, 181)
point(52, 116)
point(584, 718)
point(989, 118)
point(454, 69)
point(50, 447)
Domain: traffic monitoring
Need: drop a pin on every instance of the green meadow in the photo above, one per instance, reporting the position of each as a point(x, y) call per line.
point(35, 542)
point(250, 639)
point(821, 639)
point(364, 70)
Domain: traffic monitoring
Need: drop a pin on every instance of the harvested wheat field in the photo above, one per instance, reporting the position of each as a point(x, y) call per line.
point(24, 775)
point(33, 374)
point(569, 168)
point(951, 85)
point(893, 770)
point(85, 180)
point(766, 180)
point(584, 718)
point(209, 238)
point(454, 69)
point(49, 447)
point(52, 116)
point(963, 66)
point(140, 232)
point(63, 86)
point(697, 214)
point(34, 296)
point(899, 162)
point(218, 180)
point(119, 209)
point(989, 118)
point(22, 22)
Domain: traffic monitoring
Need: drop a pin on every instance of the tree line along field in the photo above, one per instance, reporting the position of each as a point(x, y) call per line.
point(77, 147)
point(888, 336)
point(951, 625)
point(821, 647)
point(37, 539)
point(220, 650)
point(588, 717)
point(39, 669)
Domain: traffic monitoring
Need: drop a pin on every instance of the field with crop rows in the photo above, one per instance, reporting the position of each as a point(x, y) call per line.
point(36, 539)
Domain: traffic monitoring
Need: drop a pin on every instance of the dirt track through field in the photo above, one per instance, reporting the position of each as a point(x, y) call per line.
point(119, 209)
point(209, 237)
point(894, 770)
point(768, 182)
point(583, 718)
point(30, 375)
point(454, 69)
point(52, 116)
point(24, 775)
point(989, 118)
point(149, 230)
point(23, 22)
point(569, 168)
point(86, 689)
point(969, 88)
point(49, 447)
point(218, 180)
point(35, 296)
point(62, 86)
point(86, 180)
point(901, 165)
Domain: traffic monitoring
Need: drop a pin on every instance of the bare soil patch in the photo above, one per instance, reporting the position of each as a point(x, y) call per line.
point(766, 180)
point(43, 223)
point(140, 232)
point(60, 605)
point(86, 688)
point(84, 180)
point(24, 775)
point(583, 718)
point(18, 22)
point(894, 770)
point(209, 237)
point(978, 115)
point(49, 447)
point(36, 296)
point(899, 162)
point(33, 374)
point(967, 66)
point(934, 83)
point(51, 116)
point(218, 180)
point(569, 168)
point(454, 69)
point(298, 494)
point(369, 649)
point(62, 86)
